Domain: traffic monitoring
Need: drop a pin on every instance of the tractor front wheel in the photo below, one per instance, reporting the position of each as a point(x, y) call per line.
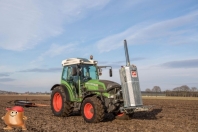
point(93, 110)
point(59, 105)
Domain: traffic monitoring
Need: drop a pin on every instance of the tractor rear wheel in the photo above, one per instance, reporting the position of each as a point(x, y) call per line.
point(124, 116)
point(59, 105)
point(93, 110)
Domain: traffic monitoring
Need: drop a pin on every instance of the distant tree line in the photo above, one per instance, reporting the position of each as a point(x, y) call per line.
point(182, 91)
point(16, 93)
point(155, 91)
point(7, 92)
point(38, 93)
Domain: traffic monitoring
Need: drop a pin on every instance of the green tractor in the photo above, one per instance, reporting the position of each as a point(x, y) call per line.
point(82, 90)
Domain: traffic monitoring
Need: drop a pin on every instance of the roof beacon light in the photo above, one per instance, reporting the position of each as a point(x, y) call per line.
point(81, 61)
point(91, 57)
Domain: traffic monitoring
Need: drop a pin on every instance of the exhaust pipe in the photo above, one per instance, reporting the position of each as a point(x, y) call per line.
point(126, 53)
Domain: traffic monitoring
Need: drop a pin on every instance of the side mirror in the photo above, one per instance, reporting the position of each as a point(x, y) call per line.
point(110, 72)
point(74, 71)
point(100, 71)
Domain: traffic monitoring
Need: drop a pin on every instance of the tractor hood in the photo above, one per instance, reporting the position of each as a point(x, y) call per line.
point(102, 85)
point(110, 84)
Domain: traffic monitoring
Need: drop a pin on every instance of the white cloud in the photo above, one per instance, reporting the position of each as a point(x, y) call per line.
point(25, 24)
point(172, 31)
point(55, 50)
point(167, 78)
point(7, 68)
point(76, 7)
point(40, 83)
point(190, 63)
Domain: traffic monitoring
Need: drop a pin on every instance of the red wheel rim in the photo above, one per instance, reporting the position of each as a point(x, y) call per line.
point(88, 111)
point(57, 102)
point(120, 114)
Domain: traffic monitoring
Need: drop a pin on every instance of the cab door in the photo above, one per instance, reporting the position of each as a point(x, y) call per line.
point(69, 78)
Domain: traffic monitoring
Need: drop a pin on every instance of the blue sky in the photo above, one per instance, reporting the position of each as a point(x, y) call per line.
point(35, 36)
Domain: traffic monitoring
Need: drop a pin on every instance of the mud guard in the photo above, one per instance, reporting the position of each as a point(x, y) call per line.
point(65, 90)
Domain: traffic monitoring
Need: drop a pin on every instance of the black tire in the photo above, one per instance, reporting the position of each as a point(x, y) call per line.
point(124, 116)
point(60, 108)
point(98, 110)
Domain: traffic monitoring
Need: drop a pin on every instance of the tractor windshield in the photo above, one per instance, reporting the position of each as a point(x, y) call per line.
point(89, 72)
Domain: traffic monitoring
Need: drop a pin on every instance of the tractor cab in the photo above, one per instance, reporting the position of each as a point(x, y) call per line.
point(77, 71)
point(83, 68)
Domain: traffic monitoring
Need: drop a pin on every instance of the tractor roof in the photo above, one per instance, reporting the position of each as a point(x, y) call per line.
point(72, 61)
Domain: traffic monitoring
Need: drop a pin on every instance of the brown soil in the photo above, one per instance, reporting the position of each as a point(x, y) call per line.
point(166, 116)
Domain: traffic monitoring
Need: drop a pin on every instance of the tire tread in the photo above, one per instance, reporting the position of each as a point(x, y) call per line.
point(67, 105)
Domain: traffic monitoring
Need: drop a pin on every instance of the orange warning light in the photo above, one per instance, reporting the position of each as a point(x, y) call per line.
point(133, 73)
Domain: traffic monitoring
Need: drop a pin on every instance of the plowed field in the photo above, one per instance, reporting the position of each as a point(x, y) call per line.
point(167, 115)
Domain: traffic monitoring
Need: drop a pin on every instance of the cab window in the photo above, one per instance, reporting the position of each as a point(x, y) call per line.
point(64, 75)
